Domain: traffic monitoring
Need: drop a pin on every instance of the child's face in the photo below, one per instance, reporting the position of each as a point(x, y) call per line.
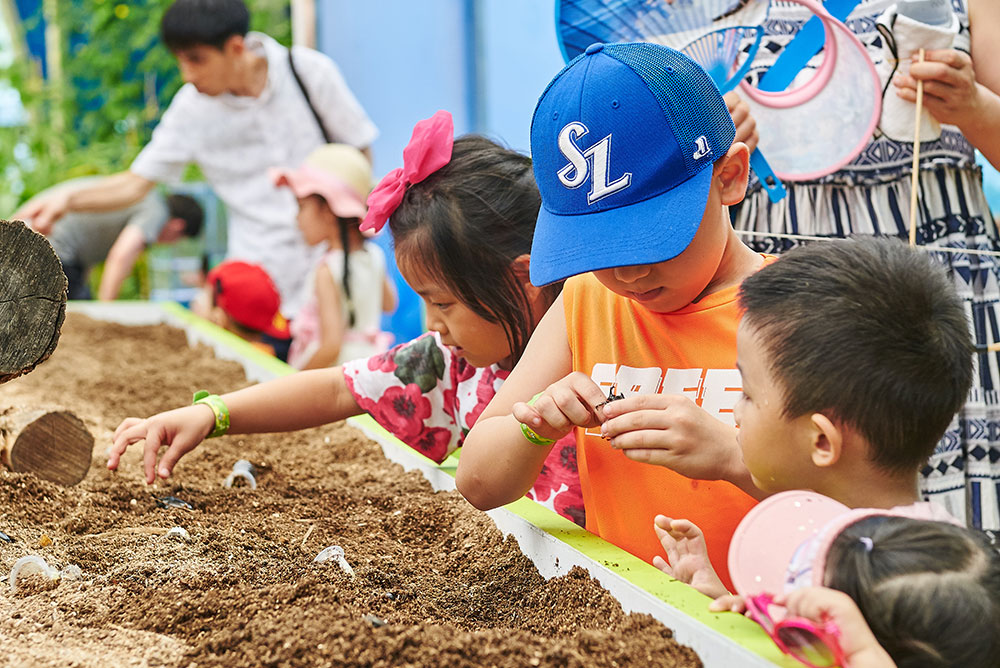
point(667, 286)
point(480, 342)
point(775, 447)
point(207, 68)
point(312, 219)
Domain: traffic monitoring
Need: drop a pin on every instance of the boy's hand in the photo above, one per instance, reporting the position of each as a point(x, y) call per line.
point(821, 604)
point(671, 430)
point(181, 429)
point(44, 212)
point(951, 93)
point(567, 403)
point(687, 555)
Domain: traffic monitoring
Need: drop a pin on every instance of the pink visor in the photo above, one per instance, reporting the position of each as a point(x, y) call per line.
point(783, 542)
point(344, 201)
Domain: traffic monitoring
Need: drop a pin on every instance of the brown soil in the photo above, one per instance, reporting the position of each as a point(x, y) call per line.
point(244, 591)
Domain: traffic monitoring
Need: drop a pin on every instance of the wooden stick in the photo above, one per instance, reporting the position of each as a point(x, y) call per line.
point(915, 177)
point(993, 348)
point(308, 533)
point(152, 531)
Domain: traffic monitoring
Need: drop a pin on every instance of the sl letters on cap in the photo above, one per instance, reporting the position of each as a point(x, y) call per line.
point(594, 159)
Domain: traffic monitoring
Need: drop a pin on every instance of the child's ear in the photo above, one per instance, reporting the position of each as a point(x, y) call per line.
point(732, 172)
point(828, 441)
point(234, 46)
point(520, 266)
point(219, 317)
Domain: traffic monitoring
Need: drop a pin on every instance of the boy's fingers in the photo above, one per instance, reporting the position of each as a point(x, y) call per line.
point(685, 528)
point(525, 414)
point(170, 458)
point(153, 438)
point(634, 420)
point(566, 404)
point(123, 439)
point(643, 456)
point(662, 564)
point(127, 423)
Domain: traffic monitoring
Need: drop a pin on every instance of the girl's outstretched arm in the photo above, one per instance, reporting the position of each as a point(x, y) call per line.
point(298, 401)
point(498, 464)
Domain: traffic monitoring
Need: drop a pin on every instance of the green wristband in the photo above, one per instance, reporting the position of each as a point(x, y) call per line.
point(529, 433)
point(219, 408)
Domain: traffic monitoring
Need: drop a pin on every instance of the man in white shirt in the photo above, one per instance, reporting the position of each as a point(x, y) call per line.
point(240, 112)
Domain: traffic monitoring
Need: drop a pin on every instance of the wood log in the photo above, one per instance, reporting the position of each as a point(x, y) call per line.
point(54, 445)
point(32, 299)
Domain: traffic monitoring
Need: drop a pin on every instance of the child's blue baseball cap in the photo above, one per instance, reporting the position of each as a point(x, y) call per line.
point(623, 142)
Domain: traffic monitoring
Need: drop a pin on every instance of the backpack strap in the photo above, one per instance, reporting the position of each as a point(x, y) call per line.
point(305, 94)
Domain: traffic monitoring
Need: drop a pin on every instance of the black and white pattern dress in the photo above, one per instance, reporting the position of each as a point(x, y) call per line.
point(871, 195)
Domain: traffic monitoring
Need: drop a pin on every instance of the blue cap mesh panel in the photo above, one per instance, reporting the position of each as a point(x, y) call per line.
point(689, 98)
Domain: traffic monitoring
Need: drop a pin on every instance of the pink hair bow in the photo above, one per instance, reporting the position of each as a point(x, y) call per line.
point(428, 151)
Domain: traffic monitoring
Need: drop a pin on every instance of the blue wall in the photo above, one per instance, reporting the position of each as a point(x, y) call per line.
point(485, 61)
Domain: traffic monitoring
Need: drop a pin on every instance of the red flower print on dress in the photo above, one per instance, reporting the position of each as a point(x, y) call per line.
point(463, 371)
point(364, 403)
point(560, 471)
point(485, 391)
point(402, 410)
point(385, 362)
point(433, 443)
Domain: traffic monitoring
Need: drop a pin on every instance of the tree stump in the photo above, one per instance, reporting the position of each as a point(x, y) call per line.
point(54, 445)
point(32, 299)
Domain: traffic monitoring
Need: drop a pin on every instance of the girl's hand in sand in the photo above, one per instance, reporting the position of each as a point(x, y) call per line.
point(564, 404)
point(951, 92)
point(181, 429)
point(746, 126)
point(671, 430)
point(821, 604)
point(687, 555)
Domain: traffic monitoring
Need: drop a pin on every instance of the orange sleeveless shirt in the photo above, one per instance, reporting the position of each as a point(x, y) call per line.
point(691, 352)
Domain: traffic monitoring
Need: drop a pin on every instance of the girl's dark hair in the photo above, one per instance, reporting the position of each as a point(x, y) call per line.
point(930, 591)
point(344, 225)
point(466, 223)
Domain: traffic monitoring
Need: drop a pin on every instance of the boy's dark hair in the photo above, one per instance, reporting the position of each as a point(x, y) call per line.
point(190, 23)
point(465, 225)
point(869, 332)
point(930, 591)
point(187, 209)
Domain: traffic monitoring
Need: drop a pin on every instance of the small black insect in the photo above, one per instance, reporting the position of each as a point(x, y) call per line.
point(172, 502)
point(5, 538)
point(612, 396)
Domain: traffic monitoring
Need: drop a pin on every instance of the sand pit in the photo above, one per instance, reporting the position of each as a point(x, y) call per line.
point(435, 583)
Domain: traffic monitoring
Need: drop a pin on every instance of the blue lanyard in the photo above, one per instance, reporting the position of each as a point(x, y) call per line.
point(803, 46)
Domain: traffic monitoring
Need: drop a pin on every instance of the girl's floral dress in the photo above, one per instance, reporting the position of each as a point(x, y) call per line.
point(429, 398)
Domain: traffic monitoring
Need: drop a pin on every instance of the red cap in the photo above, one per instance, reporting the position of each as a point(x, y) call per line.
point(247, 294)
